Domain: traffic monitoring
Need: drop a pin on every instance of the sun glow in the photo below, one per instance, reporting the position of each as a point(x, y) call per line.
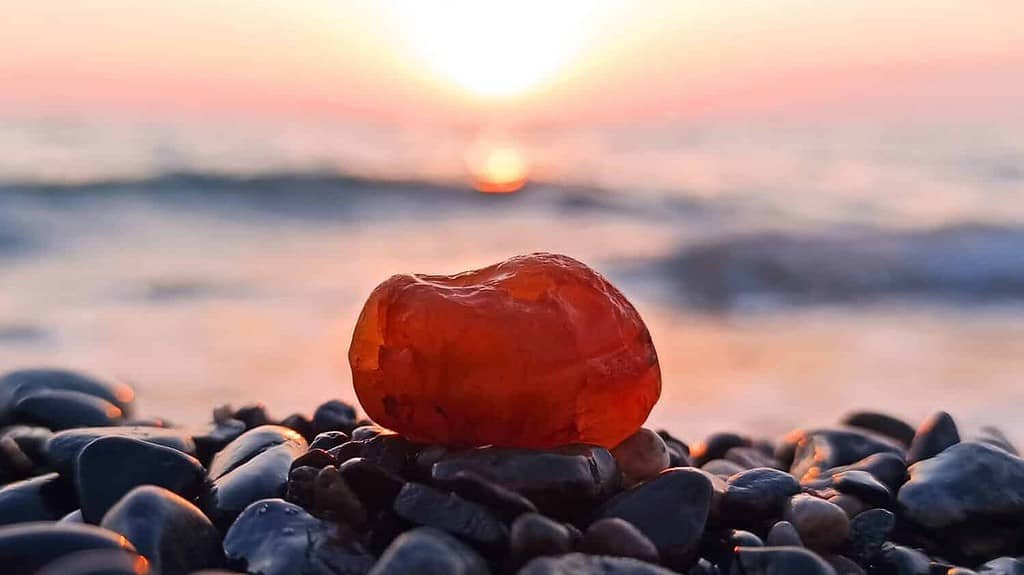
point(497, 168)
point(496, 47)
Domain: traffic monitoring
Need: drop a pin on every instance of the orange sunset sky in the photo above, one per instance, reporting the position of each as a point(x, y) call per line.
point(525, 62)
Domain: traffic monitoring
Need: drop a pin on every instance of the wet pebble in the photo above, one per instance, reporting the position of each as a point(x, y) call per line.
point(334, 415)
point(783, 534)
point(430, 507)
point(46, 497)
point(273, 537)
point(641, 456)
point(756, 495)
point(533, 535)
point(862, 485)
point(333, 499)
point(505, 503)
point(900, 560)
point(252, 415)
point(300, 424)
point(819, 450)
point(63, 448)
point(18, 384)
point(715, 446)
point(779, 561)
point(99, 562)
point(255, 466)
point(723, 467)
point(868, 532)
point(60, 409)
point(170, 532)
point(375, 486)
point(27, 547)
point(1002, 566)
point(329, 440)
point(751, 458)
point(581, 564)
point(822, 525)
point(935, 434)
point(678, 451)
point(428, 551)
point(216, 436)
point(618, 538)
point(881, 423)
point(110, 467)
point(563, 483)
point(671, 510)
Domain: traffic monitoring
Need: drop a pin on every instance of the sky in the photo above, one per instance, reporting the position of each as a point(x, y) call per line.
point(523, 63)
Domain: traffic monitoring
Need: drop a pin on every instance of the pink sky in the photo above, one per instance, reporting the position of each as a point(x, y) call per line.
point(640, 61)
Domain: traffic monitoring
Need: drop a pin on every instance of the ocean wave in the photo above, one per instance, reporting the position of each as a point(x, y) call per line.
point(962, 263)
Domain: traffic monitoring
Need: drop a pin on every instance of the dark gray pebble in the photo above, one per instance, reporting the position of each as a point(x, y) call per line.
point(273, 537)
point(822, 526)
point(783, 534)
point(375, 486)
point(671, 510)
point(715, 446)
point(900, 560)
point(18, 384)
point(935, 434)
point(110, 467)
point(63, 448)
point(333, 499)
point(329, 440)
point(868, 532)
point(170, 532)
point(533, 535)
point(334, 415)
point(823, 449)
point(27, 547)
point(428, 551)
point(60, 409)
point(779, 561)
point(45, 497)
point(505, 503)
point(618, 538)
point(881, 423)
point(424, 505)
point(581, 564)
point(98, 562)
point(862, 485)
point(756, 495)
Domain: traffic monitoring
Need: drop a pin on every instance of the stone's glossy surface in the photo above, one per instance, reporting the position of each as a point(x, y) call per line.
point(63, 448)
point(533, 535)
point(330, 439)
point(60, 409)
point(536, 351)
point(779, 561)
point(334, 500)
point(888, 468)
point(99, 562)
point(375, 486)
point(22, 451)
point(273, 537)
point(822, 525)
point(110, 467)
point(45, 497)
point(935, 434)
point(1002, 566)
point(428, 551)
point(581, 564)
point(862, 485)
point(216, 436)
point(881, 423)
point(255, 466)
point(505, 503)
point(756, 495)
point(423, 505)
point(868, 532)
point(641, 456)
point(817, 451)
point(671, 510)
point(170, 532)
point(618, 538)
point(562, 483)
point(715, 446)
point(27, 547)
point(900, 560)
point(18, 384)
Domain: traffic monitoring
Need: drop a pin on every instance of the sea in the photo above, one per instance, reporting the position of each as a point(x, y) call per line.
point(788, 273)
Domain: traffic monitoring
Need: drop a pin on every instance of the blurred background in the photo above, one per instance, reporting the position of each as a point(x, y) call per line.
point(816, 206)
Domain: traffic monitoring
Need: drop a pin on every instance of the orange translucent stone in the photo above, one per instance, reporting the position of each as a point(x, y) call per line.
point(536, 351)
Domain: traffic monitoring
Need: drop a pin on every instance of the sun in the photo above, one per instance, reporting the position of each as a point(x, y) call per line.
point(495, 47)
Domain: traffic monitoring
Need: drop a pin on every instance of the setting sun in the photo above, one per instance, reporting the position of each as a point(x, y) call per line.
point(495, 48)
point(497, 168)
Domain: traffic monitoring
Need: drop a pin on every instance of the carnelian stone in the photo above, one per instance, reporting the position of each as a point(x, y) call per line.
point(536, 351)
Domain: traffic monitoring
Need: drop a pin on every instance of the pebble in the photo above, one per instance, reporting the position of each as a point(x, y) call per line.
point(723, 467)
point(428, 551)
point(751, 458)
point(715, 446)
point(671, 510)
point(755, 496)
point(881, 423)
point(27, 547)
point(862, 485)
point(427, 506)
point(850, 504)
point(888, 468)
point(255, 466)
point(779, 561)
point(900, 560)
point(45, 497)
point(581, 564)
point(60, 409)
point(273, 537)
point(1003, 566)
point(215, 437)
point(167, 530)
point(333, 499)
point(23, 451)
point(99, 562)
point(994, 436)
point(334, 415)
point(18, 384)
point(783, 534)
point(364, 432)
point(505, 503)
point(641, 456)
point(375, 486)
point(822, 525)
point(563, 483)
point(868, 532)
point(618, 538)
point(534, 535)
point(300, 424)
point(936, 433)
point(329, 440)
point(110, 467)
point(63, 448)
point(678, 452)
point(844, 566)
point(252, 415)
point(819, 450)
